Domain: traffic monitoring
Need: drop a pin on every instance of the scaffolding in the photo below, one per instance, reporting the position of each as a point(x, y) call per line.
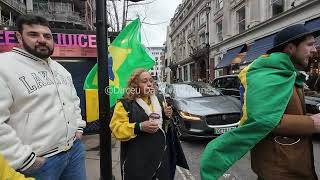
point(67, 13)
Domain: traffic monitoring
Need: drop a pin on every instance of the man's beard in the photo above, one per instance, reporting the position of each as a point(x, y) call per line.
point(39, 54)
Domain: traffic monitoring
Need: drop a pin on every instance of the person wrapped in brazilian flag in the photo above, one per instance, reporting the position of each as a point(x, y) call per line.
point(274, 124)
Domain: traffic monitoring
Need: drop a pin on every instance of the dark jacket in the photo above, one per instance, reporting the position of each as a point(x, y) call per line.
point(284, 155)
point(149, 155)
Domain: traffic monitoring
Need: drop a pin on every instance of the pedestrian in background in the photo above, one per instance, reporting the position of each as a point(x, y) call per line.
point(149, 149)
point(40, 119)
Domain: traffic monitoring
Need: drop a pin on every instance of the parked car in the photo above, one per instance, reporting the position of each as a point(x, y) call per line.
point(228, 85)
point(312, 100)
point(202, 111)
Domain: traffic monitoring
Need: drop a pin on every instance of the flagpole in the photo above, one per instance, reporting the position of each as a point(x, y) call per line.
point(103, 83)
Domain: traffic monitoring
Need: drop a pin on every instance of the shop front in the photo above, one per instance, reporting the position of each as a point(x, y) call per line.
point(231, 60)
point(76, 52)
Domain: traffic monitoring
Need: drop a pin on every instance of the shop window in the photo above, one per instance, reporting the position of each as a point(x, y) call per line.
point(241, 19)
point(192, 72)
point(277, 7)
point(185, 75)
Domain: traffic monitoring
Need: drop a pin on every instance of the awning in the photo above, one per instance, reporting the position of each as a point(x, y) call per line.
point(313, 24)
point(259, 47)
point(230, 55)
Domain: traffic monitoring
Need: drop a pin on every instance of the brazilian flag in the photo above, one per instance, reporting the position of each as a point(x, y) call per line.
point(268, 85)
point(126, 55)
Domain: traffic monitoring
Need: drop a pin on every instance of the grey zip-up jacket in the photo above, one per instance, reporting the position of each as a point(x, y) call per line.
point(39, 108)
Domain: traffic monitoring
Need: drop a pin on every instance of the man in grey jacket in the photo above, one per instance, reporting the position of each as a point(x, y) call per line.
point(40, 119)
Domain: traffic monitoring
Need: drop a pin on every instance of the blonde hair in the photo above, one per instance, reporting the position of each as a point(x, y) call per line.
point(132, 89)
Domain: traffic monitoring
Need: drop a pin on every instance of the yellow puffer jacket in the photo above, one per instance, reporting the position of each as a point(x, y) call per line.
point(8, 173)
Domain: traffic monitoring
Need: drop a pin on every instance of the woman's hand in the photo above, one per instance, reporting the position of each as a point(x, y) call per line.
point(149, 126)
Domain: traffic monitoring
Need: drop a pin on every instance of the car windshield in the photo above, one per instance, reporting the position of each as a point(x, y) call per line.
point(194, 90)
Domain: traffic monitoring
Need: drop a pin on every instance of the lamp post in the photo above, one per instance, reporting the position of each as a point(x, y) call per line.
point(103, 84)
point(207, 9)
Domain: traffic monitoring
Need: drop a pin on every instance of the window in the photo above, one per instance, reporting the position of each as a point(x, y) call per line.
point(189, 6)
point(277, 7)
point(202, 18)
point(185, 75)
point(219, 4)
point(192, 72)
point(180, 73)
point(202, 38)
point(219, 31)
point(192, 26)
point(241, 19)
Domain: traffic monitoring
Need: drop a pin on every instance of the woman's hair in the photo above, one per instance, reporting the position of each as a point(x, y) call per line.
point(132, 90)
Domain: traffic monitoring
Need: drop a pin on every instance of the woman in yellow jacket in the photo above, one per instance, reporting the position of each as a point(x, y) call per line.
point(8, 173)
point(141, 121)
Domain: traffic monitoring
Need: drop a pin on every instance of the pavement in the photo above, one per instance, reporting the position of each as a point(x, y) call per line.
point(91, 143)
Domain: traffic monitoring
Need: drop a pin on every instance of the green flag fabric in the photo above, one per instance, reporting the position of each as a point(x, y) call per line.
point(127, 54)
point(268, 85)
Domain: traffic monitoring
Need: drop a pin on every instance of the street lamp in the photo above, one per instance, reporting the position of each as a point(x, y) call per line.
point(207, 9)
point(103, 83)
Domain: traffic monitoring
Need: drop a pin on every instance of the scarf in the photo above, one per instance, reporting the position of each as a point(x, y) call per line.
point(156, 107)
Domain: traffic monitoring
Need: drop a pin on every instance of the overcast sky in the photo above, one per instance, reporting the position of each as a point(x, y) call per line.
point(160, 11)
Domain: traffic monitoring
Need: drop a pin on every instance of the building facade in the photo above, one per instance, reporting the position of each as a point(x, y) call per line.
point(238, 31)
point(10, 10)
point(62, 14)
point(189, 41)
point(157, 54)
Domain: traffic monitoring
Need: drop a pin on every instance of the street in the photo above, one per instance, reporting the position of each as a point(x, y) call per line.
point(239, 171)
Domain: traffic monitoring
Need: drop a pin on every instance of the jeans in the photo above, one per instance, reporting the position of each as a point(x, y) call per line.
point(69, 165)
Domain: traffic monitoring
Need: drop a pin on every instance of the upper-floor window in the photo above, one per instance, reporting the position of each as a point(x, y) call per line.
point(241, 19)
point(192, 25)
point(202, 18)
point(189, 6)
point(277, 7)
point(219, 31)
point(219, 4)
point(202, 38)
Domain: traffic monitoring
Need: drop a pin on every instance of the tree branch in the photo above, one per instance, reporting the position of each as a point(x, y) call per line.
point(116, 14)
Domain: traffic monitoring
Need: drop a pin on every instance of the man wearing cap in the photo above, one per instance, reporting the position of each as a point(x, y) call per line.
point(287, 152)
point(274, 124)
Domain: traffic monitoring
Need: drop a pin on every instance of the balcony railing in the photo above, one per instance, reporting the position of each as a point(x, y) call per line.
point(6, 21)
point(68, 17)
point(17, 5)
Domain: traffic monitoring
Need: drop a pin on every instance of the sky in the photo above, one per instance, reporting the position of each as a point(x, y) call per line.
point(159, 12)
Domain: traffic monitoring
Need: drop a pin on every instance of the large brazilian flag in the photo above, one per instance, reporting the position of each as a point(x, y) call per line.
point(268, 85)
point(126, 55)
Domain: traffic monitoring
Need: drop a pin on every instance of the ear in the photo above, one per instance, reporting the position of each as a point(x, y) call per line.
point(19, 37)
point(292, 47)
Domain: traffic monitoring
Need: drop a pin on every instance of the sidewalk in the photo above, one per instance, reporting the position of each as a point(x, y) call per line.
point(91, 143)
